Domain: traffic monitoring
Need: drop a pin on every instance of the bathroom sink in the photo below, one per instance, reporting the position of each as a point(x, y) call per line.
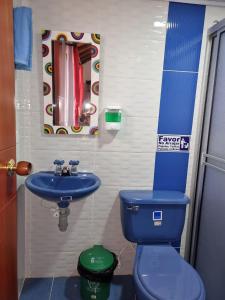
point(62, 188)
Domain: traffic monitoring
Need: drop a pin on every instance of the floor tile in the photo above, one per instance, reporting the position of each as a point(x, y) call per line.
point(65, 288)
point(36, 289)
point(68, 288)
point(122, 288)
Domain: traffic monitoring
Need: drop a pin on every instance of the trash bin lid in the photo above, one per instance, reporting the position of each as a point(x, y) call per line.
point(96, 259)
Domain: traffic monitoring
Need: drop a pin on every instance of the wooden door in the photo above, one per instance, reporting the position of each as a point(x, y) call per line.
point(8, 210)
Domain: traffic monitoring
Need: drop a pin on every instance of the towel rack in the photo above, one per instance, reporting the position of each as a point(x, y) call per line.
point(205, 155)
point(219, 159)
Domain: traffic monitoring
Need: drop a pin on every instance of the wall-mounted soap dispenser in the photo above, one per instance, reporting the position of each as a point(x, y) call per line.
point(113, 117)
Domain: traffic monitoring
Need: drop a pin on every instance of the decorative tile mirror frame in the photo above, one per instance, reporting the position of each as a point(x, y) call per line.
point(70, 82)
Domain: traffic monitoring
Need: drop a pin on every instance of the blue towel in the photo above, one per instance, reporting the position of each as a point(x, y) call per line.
point(23, 38)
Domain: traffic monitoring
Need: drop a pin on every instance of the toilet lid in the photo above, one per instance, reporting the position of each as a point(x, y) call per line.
point(165, 275)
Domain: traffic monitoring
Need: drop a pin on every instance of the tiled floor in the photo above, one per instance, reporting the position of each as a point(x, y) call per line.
point(68, 288)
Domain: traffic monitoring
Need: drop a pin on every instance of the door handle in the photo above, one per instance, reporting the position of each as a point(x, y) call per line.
point(21, 168)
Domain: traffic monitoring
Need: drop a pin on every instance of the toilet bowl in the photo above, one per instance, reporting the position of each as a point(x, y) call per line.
point(160, 273)
point(154, 220)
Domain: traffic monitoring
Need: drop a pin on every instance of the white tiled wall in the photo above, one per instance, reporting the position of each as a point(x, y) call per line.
point(132, 52)
point(22, 104)
point(23, 153)
point(22, 99)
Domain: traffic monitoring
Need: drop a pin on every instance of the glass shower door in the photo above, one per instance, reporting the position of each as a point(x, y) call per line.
point(210, 238)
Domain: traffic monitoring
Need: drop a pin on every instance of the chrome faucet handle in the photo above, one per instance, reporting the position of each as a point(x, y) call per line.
point(59, 163)
point(73, 164)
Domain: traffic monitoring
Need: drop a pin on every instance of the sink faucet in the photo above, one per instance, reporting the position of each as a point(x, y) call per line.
point(61, 170)
point(58, 169)
point(65, 171)
point(73, 168)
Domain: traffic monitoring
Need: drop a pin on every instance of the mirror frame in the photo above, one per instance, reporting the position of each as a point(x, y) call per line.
point(79, 37)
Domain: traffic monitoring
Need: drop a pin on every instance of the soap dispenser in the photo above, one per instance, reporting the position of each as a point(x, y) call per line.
point(113, 118)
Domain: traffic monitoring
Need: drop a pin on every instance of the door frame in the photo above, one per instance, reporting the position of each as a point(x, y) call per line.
point(209, 73)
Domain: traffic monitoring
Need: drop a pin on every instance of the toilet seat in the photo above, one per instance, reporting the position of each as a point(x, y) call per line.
point(160, 273)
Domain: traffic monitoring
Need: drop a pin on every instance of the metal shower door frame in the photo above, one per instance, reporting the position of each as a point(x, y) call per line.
point(213, 43)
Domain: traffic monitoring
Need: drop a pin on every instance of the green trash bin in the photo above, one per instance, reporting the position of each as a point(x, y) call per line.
point(96, 266)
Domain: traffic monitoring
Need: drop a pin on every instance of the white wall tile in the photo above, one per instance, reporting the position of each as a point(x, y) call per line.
point(106, 203)
point(21, 236)
point(126, 169)
point(22, 104)
point(136, 135)
point(43, 159)
point(132, 52)
point(137, 97)
point(41, 141)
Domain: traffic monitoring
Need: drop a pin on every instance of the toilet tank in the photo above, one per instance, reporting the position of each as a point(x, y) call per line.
point(150, 217)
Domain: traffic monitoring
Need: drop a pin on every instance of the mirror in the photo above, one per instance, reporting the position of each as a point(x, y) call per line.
point(71, 82)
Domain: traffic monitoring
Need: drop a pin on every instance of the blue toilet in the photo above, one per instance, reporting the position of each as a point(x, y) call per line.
point(154, 220)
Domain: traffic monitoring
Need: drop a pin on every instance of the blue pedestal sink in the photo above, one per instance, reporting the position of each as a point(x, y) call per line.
point(62, 189)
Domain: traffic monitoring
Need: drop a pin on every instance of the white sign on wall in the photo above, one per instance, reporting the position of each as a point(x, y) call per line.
point(173, 143)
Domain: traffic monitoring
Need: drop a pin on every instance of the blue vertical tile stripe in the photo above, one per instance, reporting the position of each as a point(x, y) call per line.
point(171, 171)
point(181, 62)
point(177, 102)
point(184, 36)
